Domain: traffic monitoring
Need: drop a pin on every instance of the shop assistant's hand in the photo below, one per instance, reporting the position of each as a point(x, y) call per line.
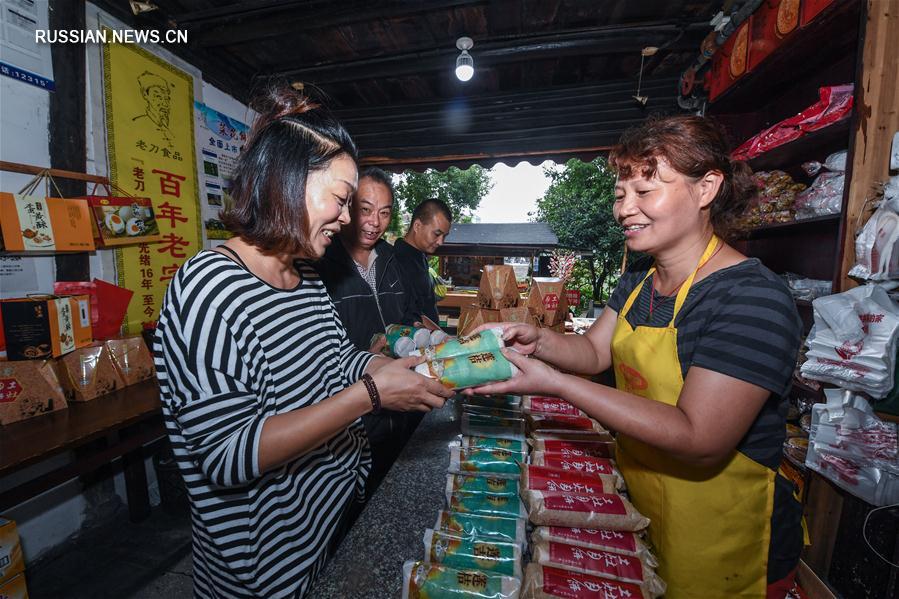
point(523, 338)
point(534, 378)
point(404, 390)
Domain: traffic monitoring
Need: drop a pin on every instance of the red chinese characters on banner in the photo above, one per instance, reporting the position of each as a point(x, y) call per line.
point(574, 296)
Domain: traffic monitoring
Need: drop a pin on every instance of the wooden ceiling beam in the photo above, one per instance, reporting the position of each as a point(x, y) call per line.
point(328, 17)
point(594, 41)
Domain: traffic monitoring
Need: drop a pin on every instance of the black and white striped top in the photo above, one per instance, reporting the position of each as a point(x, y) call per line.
point(231, 351)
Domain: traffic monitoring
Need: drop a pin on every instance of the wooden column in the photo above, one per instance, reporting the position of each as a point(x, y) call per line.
point(877, 104)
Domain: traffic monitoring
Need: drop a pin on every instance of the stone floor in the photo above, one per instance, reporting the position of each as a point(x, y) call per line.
point(146, 560)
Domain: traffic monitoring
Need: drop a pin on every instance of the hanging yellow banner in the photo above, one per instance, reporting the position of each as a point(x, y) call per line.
point(150, 132)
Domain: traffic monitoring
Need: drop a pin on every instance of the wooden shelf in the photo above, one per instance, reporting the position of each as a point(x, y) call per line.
point(810, 51)
point(816, 145)
point(796, 226)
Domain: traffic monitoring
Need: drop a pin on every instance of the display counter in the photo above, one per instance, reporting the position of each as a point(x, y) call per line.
point(369, 561)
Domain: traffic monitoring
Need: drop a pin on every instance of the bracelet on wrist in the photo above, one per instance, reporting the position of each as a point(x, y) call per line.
point(373, 394)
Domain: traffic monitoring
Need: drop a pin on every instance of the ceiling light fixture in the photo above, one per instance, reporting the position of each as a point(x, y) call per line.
point(464, 63)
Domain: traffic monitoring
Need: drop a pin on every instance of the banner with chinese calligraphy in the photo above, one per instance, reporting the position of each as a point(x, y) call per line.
point(150, 132)
point(220, 139)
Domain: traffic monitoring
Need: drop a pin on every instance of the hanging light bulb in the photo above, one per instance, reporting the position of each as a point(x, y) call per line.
point(464, 63)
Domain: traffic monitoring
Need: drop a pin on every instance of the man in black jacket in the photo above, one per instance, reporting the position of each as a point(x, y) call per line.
point(361, 274)
point(431, 222)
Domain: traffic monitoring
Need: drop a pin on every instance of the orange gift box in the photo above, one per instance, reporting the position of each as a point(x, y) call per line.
point(41, 224)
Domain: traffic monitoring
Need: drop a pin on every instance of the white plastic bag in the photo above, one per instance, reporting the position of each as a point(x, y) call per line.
point(853, 342)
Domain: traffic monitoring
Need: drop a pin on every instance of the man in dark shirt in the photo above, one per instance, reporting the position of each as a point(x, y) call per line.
point(364, 281)
point(431, 222)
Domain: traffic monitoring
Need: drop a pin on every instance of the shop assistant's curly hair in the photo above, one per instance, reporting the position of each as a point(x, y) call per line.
point(692, 146)
point(291, 137)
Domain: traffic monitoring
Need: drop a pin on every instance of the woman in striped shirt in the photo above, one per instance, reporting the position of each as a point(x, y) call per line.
point(262, 391)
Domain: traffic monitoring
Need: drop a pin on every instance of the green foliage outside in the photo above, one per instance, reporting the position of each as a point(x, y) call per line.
point(578, 208)
point(461, 190)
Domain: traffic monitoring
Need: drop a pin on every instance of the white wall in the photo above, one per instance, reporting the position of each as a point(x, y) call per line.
point(49, 519)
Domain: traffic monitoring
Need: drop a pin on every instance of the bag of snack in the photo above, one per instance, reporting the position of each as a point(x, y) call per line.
point(490, 443)
point(482, 525)
point(536, 404)
point(508, 506)
point(546, 582)
point(603, 510)
point(541, 478)
point(486, 340)
point(482, 425)
point(471, 483)
point(563, 423)
point(427, 581)
point(507, 402)
point(596, 449)
point(493, 462)
point(585, 464)
point(469, 370)
point(619, 541)
point(598, 562)
point(480, 553)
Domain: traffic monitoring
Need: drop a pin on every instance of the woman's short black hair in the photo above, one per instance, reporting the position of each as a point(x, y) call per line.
point(292, 137)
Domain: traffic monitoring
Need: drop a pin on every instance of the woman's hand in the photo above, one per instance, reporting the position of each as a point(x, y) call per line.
point(534, 378)
point(404, 390)
point(523, 338)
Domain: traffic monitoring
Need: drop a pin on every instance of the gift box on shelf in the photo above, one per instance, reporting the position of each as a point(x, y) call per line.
point(474, 316)
point(123, 220)
point(498, 288)
point(548, 301)
point(88, 373)
point(27, 389)
point(45, 326)
point(131, 358)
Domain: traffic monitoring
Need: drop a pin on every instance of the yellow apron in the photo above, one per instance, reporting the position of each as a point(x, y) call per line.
point(710, 526)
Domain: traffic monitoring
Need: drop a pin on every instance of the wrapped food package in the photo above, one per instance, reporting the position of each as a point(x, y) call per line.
point(555, 423)
point(498, 287)
point(491, 462)
point(541, 478)
point(619, 541)
point(131, 359)
point(585, 464)
point(482, 525)
point(469, 370)
point(471, 483)
point(506, 506)
point(403, 339)
point(490, 411)
point(486, 340)
point(597, 449)
point(506, 402)
point(580, 436)
point(471, 317)
point(548, 301)
point(480, 425)
point(546, 582)
point(598, 562)
point(519, 314)
point(29, 388)
point(489, 443)
point(603, 510)
point(535, 404)
point(430, 581)
point(477, 553)
point(88, 373)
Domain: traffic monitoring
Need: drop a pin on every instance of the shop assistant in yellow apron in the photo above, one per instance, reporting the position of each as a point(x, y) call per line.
point(710, 526)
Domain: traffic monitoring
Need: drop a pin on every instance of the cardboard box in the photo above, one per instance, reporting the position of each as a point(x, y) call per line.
point(474, 316)
point(131, 359)
point(772, 23)
point(730, 61)
point(42, 327)
point(548, 301)
point(37, 223)
point(123, 220)
point(88, 373)
point(11, 561)
point(520, 314)
point(29, 389)
point(498, 288)
point(14, 588)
